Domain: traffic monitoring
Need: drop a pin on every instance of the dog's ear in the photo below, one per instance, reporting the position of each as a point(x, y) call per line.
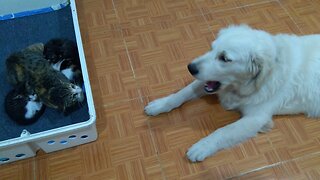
point(254, 68)
point(260, 68)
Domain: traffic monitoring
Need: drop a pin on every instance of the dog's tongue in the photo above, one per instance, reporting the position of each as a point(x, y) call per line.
point(211, 86)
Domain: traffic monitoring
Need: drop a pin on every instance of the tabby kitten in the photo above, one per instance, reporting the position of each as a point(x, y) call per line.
point(29, 68)
point(22, 107)
point(64, 57)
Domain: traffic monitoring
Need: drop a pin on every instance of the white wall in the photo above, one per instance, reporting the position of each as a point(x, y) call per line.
point(14, 6)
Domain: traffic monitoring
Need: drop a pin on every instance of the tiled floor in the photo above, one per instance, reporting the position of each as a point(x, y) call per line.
point(137, 50)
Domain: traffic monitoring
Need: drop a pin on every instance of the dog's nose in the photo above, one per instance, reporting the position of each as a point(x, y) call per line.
point(193, 69)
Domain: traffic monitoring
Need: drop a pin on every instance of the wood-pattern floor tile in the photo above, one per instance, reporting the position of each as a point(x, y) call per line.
point(176, 165)
point(96, 157)
point(115, 78)
point(274, 173)
point(65, 164)
point(117, 87)
point(124, 119)
point(109, 174)
point(159, 54)
point(287, 170)
point(21, 170)
point(131, 170)
point(268, 16)
point(304, 13)
point(226, 170)
point(124, 150)
point(126, 134)
point(208, 6)
point(206, 175)
point(143, 10)
point(153, 168)
point(309, 163)
point(99, 13)
point(147, 144)
point(94, 5)
point(267, 174)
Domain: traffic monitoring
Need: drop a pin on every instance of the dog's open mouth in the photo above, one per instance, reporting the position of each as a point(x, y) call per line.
point(212, 86)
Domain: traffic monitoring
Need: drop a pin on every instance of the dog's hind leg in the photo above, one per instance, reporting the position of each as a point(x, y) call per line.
point(192, 91)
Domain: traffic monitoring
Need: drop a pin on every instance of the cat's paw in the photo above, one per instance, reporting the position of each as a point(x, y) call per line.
point(33, 97)
point(201, 150)
point(158, 106)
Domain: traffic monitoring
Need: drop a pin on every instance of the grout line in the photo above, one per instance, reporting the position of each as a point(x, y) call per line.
point(211, 11)
point(272, 144)
point(125, 100)
point(129, 57)
point(205, 19)
point(120, 101)
point(239, 7)
point(116, 13)
point(127, 52)
point(222, 10)
point(313, 3)
point(275, 164)
point(124, 41)
point(114, 6)
point(163, 175)
point(291, 18)
point(141, 96)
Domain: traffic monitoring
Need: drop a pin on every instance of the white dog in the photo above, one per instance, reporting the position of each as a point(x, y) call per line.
point(252, 71)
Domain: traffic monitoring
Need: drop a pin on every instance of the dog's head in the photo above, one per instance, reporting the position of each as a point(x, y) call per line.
point(240, 59)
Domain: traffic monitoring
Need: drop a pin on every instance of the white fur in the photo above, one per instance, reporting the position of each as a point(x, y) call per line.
point(68, 73)
point(32, 107)
point(269, 75)
point(78, 91)
point(57, 65)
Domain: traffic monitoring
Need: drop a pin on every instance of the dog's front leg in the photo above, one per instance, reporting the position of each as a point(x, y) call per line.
point(228, 136)
point(166, 104)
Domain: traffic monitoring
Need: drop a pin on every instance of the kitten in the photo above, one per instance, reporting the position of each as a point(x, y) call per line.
point(64, 57)
point(29, 68)
point(22, 107)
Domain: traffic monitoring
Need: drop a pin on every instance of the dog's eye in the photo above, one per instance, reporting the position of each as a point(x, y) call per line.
point(223, 58)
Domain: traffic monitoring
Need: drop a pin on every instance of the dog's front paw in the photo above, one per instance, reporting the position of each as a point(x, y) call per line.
point(158, 106)
point(267, 127)
point(201, 150)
